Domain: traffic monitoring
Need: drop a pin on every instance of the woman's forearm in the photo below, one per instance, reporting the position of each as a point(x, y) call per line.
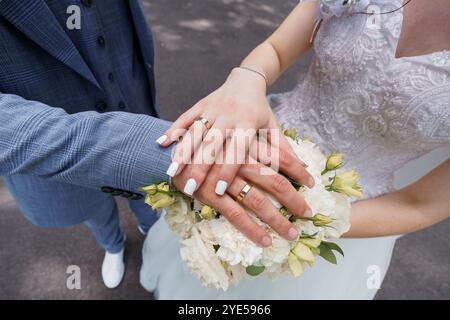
point(391, 214)
point(286, 45)
point(418, 206)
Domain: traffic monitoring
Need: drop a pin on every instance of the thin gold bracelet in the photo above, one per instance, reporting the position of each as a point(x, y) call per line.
point(257, 72)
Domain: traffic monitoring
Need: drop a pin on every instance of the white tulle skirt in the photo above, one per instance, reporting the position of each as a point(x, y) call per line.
point(354, 277)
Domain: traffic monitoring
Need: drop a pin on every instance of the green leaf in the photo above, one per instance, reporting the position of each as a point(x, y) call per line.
point(327, 254)
point(308, 236)
point(255, 270)
point(334, 246)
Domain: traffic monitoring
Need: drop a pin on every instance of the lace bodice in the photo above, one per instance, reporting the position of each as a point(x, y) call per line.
point(359, 99)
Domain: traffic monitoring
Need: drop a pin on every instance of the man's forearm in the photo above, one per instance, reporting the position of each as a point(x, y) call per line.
point(87, 149)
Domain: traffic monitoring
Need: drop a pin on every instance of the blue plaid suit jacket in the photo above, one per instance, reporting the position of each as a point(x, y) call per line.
point(51, 142)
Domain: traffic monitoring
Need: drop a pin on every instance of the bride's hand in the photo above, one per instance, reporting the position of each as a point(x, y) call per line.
point(240, 103)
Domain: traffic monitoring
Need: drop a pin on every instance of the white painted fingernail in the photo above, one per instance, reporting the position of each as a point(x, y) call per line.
point(221, 187)
point(173, 168)
point(161, 139)
point(190, 187)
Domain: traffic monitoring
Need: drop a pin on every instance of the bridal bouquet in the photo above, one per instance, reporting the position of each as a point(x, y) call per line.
point(220, 255)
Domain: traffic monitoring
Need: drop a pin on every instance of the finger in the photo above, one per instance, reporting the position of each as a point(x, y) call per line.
point(204, 158)
point(236, 154)
point(230, 209)
point(261, 205)
point(277, 186)
point(277, 138)
point(185, 148)
point(238, 217)
point(284, 159)
point(180, 126)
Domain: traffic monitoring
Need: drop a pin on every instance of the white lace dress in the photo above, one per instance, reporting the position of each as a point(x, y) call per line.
point(359, 99)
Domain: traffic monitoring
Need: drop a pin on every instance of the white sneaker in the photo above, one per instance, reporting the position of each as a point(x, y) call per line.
point(141, 231)
point(113, 269)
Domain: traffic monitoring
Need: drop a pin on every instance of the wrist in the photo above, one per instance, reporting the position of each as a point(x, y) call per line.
point(254, 77)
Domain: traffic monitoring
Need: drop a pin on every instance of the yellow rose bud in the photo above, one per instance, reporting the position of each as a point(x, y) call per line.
point(208, 213)
point(152, 189)
point(303, 252)
point(311, 243)
point(295, 265)
point(159, 200)
point(334, 161)
point(164, 186)
point(291, 133)
point(321, 220)
point(346, 183)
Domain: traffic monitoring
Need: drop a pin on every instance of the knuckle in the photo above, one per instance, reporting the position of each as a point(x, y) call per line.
point(183, 117)
point(234, 215)
point(276, 222)
point(285, 157)
point(300, 204)
point(234, 104)
point(280, 184)
point(202, 104)
point(259, 202)
point(195, 173)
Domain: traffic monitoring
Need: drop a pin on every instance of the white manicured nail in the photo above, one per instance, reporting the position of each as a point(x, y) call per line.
point(221, 187)
point(161, 139)
point(173, 168)
point(190, 187)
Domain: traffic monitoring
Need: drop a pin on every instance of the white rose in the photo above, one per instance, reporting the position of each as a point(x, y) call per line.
point(203, 262)
point(311, 155)
point(277, 253)
point(308, 228)
point(235, 248)
point(236, 273)
point(179, 217)
point(319, 199)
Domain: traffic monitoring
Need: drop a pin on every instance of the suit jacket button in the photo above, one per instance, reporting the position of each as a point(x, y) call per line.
point(121, 106)
point(101, 106)
point(137, 196)
point(101, 41)
point(117, 192)
point(127, 194)
point(107, 189)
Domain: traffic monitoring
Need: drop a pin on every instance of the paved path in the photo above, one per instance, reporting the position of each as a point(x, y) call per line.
point(197, 44)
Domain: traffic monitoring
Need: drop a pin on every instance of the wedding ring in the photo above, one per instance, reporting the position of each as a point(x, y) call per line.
point(245, 190)
point(206, 123)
